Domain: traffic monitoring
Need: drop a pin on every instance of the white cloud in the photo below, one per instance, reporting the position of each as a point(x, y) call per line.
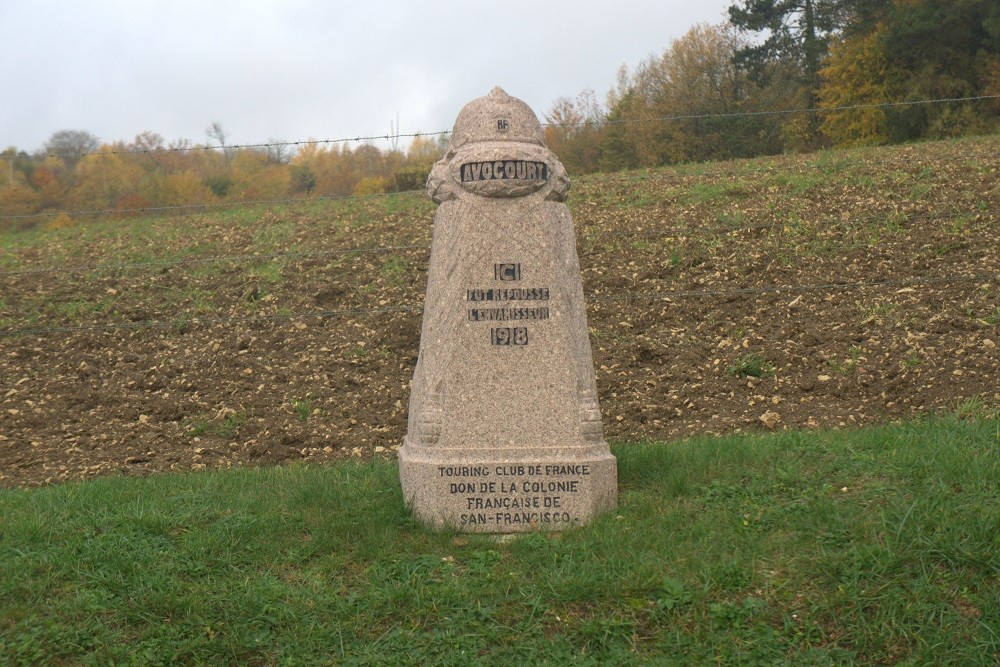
point(307, 68)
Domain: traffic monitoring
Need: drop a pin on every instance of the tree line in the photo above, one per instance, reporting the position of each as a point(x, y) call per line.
point(794, 75)
point(75, 172)
point(778, 76)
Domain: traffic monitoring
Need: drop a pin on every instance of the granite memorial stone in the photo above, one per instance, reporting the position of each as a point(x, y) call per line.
point(504, 430)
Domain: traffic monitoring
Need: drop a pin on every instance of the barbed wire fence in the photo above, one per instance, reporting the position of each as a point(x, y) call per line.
point(625, 297)
point(446, 132)
point(154, 209)
point(822, 165)
point(682, 175)
point(668, 231)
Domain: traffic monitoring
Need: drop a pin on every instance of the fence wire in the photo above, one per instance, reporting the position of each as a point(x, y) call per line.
point(236, 147)
point(778, 112)
point(200, 207)
point(186, 323)
point(672, 231)
point(815, 226)
point(194, 261)
point(659, 177)
point(444, 133)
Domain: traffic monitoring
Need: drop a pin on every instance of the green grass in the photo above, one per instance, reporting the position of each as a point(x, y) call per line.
point(873, 546)
point(394, 269)
point(226, 426)
point(752, 365)
point(159, 239)
point(303, 407)
point(270, 272)
point(700, 193)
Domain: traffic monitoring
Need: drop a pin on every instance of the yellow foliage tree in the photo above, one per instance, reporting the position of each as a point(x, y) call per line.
point(329, 171)
point(575, 132)
point(104, 178)
point(371, 185)
point(856, 74)
point(184, 188)
point(18, 199)
point(681, 105)
point(256, 177)
point(50, 180)
point(425, 151)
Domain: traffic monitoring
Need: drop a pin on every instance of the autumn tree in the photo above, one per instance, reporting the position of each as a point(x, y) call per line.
point(19, 199)
point(689, 103)
point(278, 151)
point(18, 167)
point(326, 168)
point(426, 150)
point(795, 32)
point(575, 130)
point(256, 176)
point(103, 179)
point(940, 49)
point(50, 178)
point(854, 79)
point(421, 155)
point(217, 134)
point(918, 50)
point(71, 145)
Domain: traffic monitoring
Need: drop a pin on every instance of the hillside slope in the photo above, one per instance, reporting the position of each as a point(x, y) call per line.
point(829, 290)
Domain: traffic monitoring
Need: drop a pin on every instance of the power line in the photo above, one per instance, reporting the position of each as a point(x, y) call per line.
point(628, 297)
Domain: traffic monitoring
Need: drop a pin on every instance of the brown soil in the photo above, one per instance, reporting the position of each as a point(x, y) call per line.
point(863, 286)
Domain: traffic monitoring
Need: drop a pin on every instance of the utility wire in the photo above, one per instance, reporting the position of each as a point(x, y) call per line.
point(184, 323)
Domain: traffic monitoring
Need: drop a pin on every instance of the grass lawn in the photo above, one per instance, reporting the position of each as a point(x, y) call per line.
point(846, 547)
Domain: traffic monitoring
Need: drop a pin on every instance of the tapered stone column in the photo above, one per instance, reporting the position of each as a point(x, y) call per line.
point(504, 430)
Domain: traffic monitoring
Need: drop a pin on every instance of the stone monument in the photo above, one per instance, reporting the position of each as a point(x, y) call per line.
point(504, 430)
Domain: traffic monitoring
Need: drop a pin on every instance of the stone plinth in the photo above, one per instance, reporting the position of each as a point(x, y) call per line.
point(504, 429)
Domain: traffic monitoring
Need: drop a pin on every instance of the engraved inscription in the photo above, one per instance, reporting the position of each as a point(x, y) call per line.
point(520, 170)
point(503, 125)
point(515, 494)
point(509, 335)
point(500, 297)
point(507, 272)
point(507, 314)
point(509, 294)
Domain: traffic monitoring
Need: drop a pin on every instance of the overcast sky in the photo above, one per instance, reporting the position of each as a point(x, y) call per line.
point(308, 69)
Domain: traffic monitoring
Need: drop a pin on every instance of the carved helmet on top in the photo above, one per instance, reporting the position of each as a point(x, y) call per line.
point(496, 117)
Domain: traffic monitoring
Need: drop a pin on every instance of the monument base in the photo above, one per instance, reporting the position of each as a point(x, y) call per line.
point(508, 491)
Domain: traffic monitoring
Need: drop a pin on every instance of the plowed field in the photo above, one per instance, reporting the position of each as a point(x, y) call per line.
point(831, 290)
